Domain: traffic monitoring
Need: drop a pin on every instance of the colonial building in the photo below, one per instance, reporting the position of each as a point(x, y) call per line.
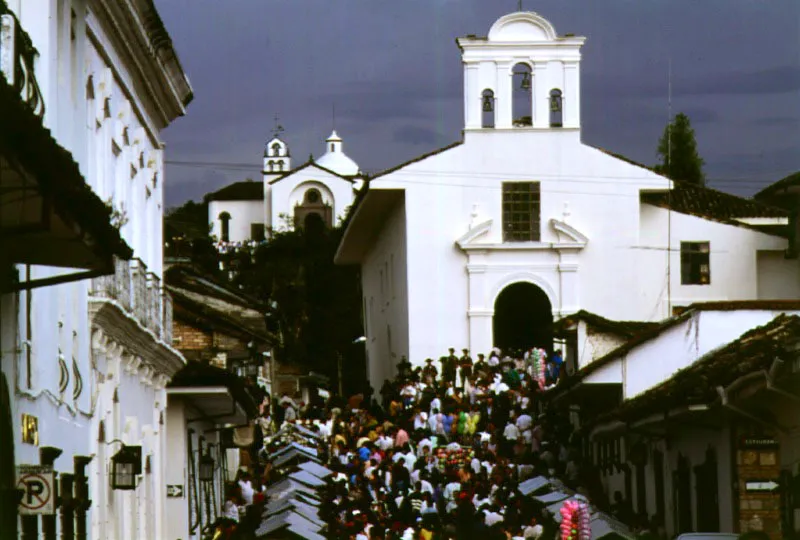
point(694, 420)
point(317, 193)
point(86, 326)
point(487, 241)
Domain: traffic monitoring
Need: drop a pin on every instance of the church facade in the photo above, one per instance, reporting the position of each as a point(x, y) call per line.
point(488, 241)
point(318, 193)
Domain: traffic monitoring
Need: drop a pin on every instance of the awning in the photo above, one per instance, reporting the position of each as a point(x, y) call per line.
point(603, 525)
point(49, 216)
point(216, 394)
point(317, 470)
point(305, 477)
point(552, 497)
point(532, 485)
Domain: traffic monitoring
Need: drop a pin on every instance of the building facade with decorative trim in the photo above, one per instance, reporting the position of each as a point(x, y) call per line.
point(87, 355)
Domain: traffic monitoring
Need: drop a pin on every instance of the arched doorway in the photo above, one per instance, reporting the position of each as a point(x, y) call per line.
point(8, 510)
point(313, 225)
point(523, 318)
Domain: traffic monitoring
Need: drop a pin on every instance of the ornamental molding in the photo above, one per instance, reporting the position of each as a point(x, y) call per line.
point(121, 328)
point(473, 234)
point(578, 239)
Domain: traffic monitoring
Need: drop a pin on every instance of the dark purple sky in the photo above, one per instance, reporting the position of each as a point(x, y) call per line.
point(394, 73)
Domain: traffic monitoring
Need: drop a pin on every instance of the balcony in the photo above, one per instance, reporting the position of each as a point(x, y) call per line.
point(17, 55)
point(138, 293)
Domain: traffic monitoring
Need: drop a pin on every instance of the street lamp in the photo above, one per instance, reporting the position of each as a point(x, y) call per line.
point(362, 339)
point(206, 471)
point(125, 465)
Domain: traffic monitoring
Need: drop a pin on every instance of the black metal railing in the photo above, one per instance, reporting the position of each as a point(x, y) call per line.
point(17, 59)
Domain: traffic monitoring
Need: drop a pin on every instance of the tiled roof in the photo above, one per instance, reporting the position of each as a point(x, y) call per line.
point(656, 329)
point(711, 204)
point(249, 190)
point(695, 385)
point(773, 189)
point(311, 163)
point(626, 329)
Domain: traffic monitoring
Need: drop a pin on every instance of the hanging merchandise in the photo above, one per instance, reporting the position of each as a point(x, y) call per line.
point(575, 523)
point(538, 361)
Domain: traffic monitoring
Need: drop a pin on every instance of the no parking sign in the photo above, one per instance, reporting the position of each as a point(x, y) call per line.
point(38, 493)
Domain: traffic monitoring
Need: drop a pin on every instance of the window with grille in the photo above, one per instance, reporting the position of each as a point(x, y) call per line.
point(695, 263)
point(521, 212)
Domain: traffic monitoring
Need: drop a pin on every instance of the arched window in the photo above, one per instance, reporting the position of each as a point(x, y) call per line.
point(522, 102)
point(276, 149)
point(280, 166)
point(487, 109)
point(556, 108)
point(333, 147)
point(224, 219)
point(271, 166)
point(312, 196)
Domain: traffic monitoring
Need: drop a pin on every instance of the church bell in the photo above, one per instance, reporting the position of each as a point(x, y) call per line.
point(555, 102)
point(488, 103)
point(525, 84)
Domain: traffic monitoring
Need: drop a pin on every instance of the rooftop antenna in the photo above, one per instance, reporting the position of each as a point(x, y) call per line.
point(333, 116)
point(519, 5)
point(278, 129)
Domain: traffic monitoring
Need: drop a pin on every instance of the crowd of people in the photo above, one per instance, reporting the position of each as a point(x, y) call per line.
point(443, 453)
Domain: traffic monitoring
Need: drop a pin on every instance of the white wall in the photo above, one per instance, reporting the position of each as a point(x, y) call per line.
point(243, 215)
point(733, 259)
point(386, 306)
point(594, 345)
point(777, 276)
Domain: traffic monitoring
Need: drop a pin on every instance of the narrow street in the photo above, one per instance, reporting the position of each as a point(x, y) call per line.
point(529, 283)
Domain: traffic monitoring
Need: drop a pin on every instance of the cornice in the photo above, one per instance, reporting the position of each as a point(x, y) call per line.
point(163, 82)
point(120, 330)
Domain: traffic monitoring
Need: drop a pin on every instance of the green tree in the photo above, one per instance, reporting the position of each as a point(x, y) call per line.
point(677, 150)
point(314, 305)
point(187, 236)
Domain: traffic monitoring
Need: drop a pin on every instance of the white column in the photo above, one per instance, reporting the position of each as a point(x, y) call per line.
point(572, 95)
point(540, 90)
point(472, 96)
point(570, 289)
point(503, 104)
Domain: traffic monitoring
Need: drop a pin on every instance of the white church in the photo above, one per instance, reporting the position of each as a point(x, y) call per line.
point(520, 223)
point(317, 193)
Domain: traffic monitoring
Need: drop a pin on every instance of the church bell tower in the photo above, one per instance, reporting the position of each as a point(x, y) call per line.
point(522, 75)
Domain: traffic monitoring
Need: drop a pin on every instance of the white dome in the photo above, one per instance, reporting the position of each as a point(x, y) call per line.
point(335, 159)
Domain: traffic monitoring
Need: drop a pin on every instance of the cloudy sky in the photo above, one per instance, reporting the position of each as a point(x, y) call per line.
point(393, 71)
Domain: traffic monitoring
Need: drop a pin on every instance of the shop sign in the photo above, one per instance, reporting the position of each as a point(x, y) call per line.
point(758, 442)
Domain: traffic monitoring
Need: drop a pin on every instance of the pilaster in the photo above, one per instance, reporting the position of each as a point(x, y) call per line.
point(540, 90)
point(503, 95)
point(472, 96)
point(572, 95)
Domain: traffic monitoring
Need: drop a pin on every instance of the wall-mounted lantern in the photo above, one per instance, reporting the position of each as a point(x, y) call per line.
point(125, 466)
point(206, 469)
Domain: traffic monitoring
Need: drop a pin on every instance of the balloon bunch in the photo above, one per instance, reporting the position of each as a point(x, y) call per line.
point(539, 360)
point(575, 521)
